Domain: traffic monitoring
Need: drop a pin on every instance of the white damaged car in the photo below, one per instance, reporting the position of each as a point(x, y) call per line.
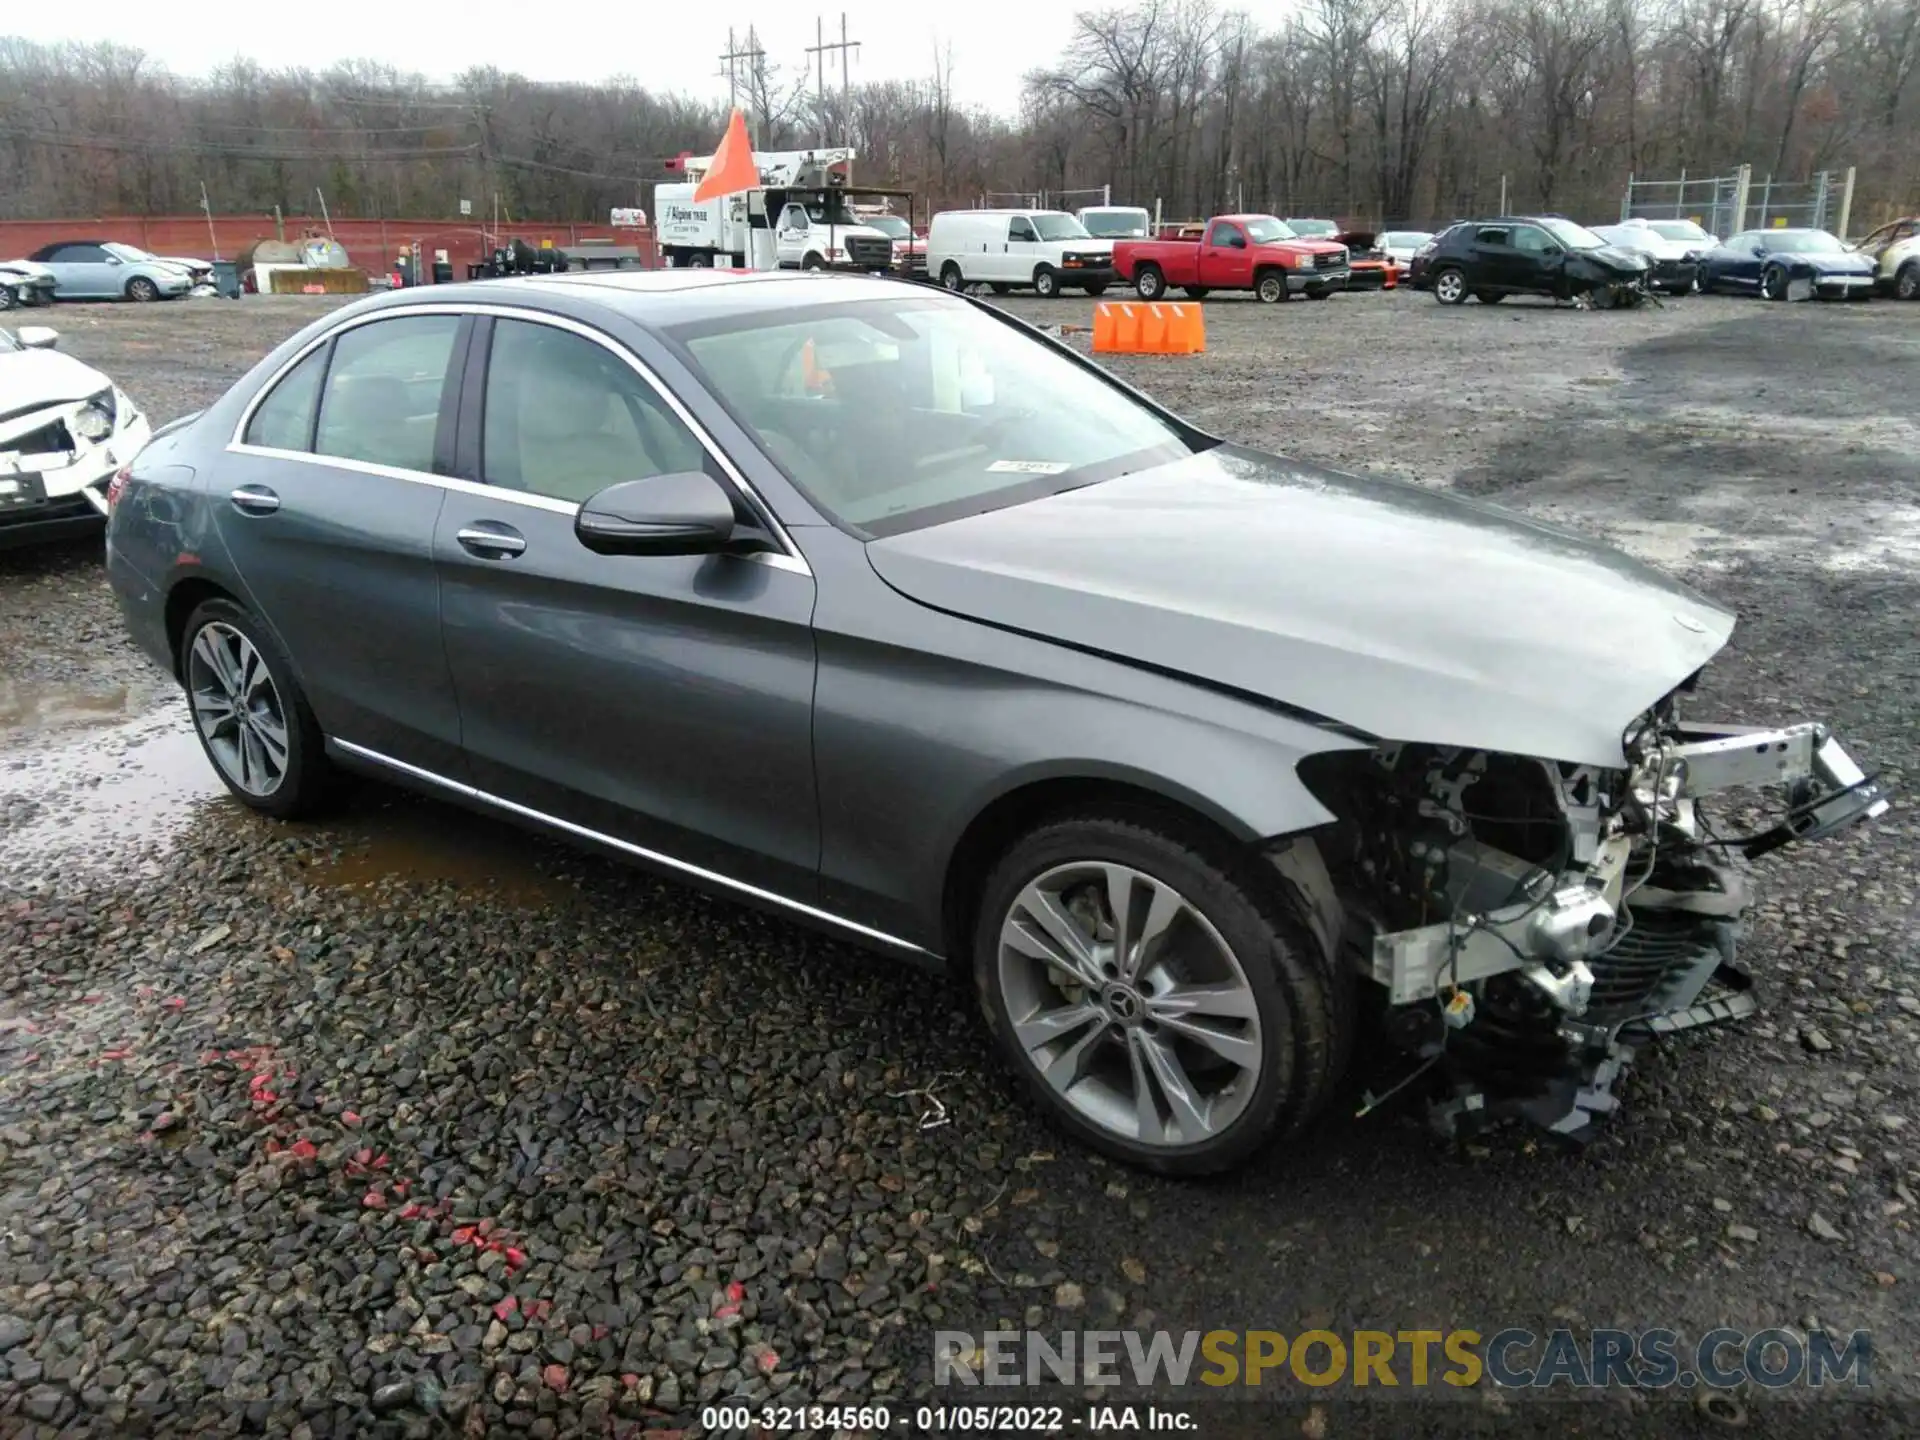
point(64, 430)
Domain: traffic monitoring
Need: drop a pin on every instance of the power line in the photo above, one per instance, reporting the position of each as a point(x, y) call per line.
point(819, 52)
point(124, 145)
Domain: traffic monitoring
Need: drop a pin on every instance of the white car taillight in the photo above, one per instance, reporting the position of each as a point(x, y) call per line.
point(117, 484)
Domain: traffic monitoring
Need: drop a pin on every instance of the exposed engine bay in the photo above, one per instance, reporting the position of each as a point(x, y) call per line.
point(1529, 922)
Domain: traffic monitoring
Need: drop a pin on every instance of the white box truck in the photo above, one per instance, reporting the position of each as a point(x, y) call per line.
point(801, 200)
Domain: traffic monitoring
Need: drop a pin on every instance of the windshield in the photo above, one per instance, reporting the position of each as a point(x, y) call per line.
point(1680, 230)
point(1800, 242)
point(1264, 230)
point(1313, 229)
point(1404, 239)
point(830, 212)
point(1059, 227)
point(1574, 237)
point(1116, 224)
point(890, 225)
point(905, 411)
point(127, 252)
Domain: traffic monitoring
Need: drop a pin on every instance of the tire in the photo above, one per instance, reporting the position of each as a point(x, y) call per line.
point(1195, 292)
point(7, 298)
point(951, 278)
point(1236, 933)
point(143, 290)
point(225, 652)
point(1450, 285)
point(1149, 283)
point(1773, 283)
point(1046, 284)
point(1488, 297)
point(1096, 291)
point(700, 260)
point(1906, 284)
point(812, 262)
point(1270, 288)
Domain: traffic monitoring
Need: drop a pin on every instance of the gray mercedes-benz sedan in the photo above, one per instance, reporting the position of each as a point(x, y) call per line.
point(870, 604)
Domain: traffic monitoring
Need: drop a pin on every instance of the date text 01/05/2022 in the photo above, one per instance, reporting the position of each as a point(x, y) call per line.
point(731, 1419)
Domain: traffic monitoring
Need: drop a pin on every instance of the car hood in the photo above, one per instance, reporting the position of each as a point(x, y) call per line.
point(1390, 608)
point(30, 269)
point(1617, 256)
point(33, 379)
point(1834, 262)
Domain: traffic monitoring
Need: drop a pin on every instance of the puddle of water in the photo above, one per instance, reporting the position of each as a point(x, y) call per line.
point(36, 705)
point(103, 794)
point(389, 837)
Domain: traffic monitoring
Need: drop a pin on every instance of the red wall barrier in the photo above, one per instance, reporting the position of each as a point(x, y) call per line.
point(371, 244)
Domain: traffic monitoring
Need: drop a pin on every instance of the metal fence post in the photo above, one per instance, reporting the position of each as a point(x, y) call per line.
point(1626, 199)
point(1742, 186)
point(1846, 205)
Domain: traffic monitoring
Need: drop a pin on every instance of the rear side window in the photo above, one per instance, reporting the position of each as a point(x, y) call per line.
point(284, 420)
point(383, 392)
point(1493, 235)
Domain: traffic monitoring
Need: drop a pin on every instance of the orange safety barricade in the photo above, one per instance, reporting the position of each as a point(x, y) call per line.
point(1132, 328)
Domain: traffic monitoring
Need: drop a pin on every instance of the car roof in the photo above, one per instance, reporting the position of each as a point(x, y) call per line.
point(659, 298)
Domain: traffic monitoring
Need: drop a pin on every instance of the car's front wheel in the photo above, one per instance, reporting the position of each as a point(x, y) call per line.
point(1271, 288)
point(1773, 283)
point(1159, 997)
point(251, 715)
point(1450, 285)
point(1046, 284)
point(951, 278)
point(7, 297)
point(1906, 285)
point(142, 289)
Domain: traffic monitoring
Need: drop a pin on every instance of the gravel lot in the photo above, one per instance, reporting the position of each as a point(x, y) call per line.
point(409, 1123)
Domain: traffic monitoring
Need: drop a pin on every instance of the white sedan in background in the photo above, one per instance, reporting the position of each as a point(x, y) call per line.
point(64, 430)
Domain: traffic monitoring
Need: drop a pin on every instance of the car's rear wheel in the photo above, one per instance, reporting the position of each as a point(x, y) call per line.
point(1159, 997)
point(1906, 285)
point(951, 278)
point(142, 289)
point(1773, 283)
point(252, 718)
point(1270, 289)
point(1149, 283)
point(1196, 292)
point(1450, 285)
point(1046, 284)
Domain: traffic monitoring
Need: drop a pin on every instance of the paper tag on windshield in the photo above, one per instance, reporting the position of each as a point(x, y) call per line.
point(1029, 467)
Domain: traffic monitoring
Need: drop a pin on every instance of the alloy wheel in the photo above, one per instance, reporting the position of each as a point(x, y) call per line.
point(237, 709)
point(1450, 287)
point(1130, 1004)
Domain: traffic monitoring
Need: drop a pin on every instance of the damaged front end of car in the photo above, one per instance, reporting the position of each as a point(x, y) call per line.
point(1527, 923)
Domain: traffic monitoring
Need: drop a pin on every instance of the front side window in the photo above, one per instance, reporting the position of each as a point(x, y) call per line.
point(284, 420)
point(383, 393)
point(132, 254)
point(1230, 236)
point(1020, 228)
point(900, 412)
point(1533, 242)
point(565, 417)
point(1495, 235)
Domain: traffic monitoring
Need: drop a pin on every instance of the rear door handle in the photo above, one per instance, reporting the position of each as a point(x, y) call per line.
point(254, 500)
point(491, 540)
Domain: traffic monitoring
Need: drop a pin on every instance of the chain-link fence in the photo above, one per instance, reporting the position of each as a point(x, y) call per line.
point(1782, 204)
point(1724, 204)
point(1709, 201)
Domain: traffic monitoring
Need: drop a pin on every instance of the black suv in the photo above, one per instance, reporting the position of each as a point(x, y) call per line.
point(1528, 255)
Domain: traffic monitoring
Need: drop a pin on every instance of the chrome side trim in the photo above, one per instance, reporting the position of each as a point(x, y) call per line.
point(792, 559)
point(654, 857)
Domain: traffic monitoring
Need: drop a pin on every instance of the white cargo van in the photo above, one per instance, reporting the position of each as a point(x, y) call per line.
point(1116, 222)
point(1047, 250)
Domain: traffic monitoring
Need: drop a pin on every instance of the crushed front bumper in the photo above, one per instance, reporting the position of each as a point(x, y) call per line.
point(54, 492)
point(1538, 986)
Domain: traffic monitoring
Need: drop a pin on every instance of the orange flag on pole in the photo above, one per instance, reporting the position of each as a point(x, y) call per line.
point(733, 168)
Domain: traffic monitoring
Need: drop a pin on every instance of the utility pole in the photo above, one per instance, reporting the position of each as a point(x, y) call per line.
point(819, 51)
point(750, 52)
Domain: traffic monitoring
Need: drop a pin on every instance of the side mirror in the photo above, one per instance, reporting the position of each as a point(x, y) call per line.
point(37, 337)
point(684, 513)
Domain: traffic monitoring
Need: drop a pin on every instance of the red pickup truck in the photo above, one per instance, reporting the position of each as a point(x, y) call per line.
point(1238, 252)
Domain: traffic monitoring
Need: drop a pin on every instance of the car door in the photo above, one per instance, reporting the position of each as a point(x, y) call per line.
point(84, 272)
point(1738, 263)
point(326, 505)
point(664, 702)
point(1225, 262)
point(1016, 260)
point(791, 238)
point(1538, 262)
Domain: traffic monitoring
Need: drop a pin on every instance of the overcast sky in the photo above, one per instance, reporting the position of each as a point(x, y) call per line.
point(664, 45)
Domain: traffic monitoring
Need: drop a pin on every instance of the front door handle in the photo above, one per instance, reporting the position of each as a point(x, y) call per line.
point(254, 500)
point(491, 540)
